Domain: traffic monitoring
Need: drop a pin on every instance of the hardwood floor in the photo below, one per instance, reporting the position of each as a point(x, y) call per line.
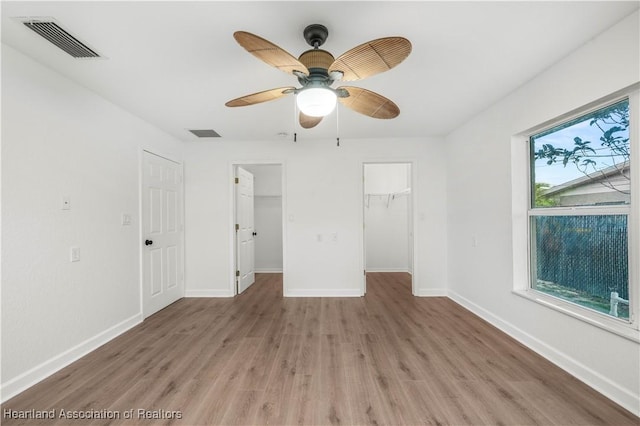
point(386, 359)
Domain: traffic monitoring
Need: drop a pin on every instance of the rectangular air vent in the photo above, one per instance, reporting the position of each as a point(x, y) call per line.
point(206, 133)
point(60, 37)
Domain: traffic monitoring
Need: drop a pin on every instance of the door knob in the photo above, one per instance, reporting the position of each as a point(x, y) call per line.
point(255, 233)
point(148, 242)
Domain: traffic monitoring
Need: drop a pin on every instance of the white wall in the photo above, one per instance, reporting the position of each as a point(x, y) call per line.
point(267, 216)
point(479, 178)
point(387, 220)
point(323, 195)
point(267, 179)
point(60, 139)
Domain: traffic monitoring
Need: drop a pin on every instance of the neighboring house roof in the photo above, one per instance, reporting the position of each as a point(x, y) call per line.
point(589, 179)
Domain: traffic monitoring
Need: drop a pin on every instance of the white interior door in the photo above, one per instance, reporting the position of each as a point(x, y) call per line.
point(245, 247)
point(162, 229)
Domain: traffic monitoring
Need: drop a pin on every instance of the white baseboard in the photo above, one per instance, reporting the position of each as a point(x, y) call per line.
point(268, 271)
point(24, 381)
point(432, 292)
point(388, 270)
point(208, 293)
point(341, 292)
point(611, 390)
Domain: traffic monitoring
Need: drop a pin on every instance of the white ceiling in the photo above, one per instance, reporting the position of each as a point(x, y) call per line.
point(175, 64)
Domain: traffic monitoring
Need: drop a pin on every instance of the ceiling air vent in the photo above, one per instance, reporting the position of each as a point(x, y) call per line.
point(206, 133)
point(60, 37)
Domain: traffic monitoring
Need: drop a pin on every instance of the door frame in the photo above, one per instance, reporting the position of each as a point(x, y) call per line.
point(413, 216)
point(233, 165)
point(141, 236)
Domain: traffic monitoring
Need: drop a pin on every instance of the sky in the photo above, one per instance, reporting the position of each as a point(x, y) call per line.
point(556, 173)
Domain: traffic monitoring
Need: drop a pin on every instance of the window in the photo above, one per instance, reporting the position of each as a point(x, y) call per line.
point(580, 203)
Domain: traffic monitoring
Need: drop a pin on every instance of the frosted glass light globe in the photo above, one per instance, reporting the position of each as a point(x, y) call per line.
point(316, 101)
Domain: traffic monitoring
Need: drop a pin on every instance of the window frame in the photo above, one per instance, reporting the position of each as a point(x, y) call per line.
point(524, 214)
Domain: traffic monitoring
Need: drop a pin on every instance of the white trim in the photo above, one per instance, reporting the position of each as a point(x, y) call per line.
point(580, 211)
point(268, 270)
point(40, 372)
point(208, 293)
point(141, 152)
point(634, 216)
point(601, 320)
point(624, 397)
point(583, 110)
point(321, 292)
point(388, 270)
point(432, 292)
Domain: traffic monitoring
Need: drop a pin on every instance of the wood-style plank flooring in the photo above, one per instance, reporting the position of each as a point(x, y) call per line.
point(386, 359)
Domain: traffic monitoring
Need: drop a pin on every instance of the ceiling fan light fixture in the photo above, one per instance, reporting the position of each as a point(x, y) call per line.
point(316, 101)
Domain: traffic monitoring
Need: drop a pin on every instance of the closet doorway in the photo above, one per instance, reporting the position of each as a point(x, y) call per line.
point(268, 249)
point(388, 220)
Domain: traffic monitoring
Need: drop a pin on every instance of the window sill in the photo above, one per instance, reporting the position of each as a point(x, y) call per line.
point(618, 327)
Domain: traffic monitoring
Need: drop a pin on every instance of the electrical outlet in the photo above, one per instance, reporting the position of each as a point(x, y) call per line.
point(75, 254)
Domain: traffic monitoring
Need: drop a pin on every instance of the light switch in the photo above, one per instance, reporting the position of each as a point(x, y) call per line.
point(126, 219)
point(75, 254)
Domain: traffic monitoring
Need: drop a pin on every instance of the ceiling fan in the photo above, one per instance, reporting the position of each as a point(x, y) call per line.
point(317, 70)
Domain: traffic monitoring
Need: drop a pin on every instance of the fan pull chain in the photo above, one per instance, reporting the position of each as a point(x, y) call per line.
point(295, 114)
point(337, 125)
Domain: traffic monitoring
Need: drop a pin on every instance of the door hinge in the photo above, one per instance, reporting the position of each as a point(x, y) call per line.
point(237, 180)
point(365, 272)
point(237, 227)
point(237, 273)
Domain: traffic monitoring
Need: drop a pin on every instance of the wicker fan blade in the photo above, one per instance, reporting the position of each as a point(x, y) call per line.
point(369, 103)
point(308, 122)
point(269, 52)
point(256, 98)
point(371, 58)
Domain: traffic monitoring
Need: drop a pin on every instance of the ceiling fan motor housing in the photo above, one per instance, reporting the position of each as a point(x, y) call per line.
point(317, 62)
point(316, 58)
